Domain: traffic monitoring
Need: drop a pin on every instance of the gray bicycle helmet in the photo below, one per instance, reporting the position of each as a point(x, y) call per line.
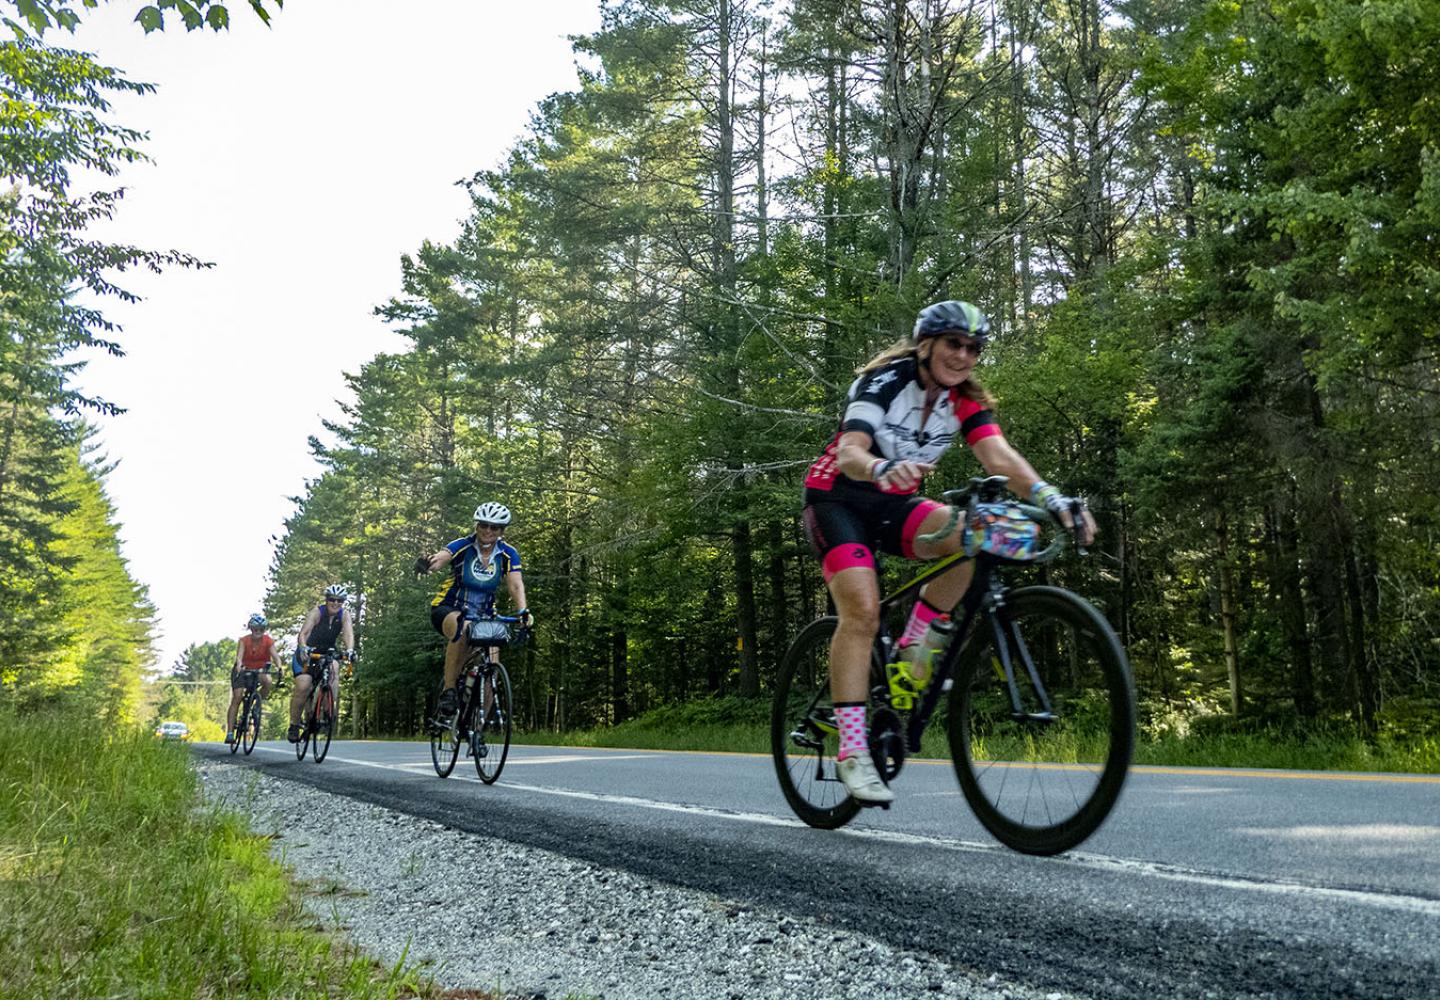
point(952, 316)
point(336, 590)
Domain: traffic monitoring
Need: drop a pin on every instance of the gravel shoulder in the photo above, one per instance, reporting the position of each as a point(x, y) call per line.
point(526, 923)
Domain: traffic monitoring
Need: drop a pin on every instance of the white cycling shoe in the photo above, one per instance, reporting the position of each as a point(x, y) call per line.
point(857, 772)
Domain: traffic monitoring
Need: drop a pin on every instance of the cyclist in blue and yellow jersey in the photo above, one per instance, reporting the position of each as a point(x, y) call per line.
point(328, 626)
point(477, 564)
point(907, 407)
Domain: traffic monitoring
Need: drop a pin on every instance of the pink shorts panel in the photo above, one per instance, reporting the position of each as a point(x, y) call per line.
point(846, 557)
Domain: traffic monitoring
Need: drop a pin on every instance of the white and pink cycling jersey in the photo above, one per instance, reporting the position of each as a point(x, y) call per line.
point(888, 403)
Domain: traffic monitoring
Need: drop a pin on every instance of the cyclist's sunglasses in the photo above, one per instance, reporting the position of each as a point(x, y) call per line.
point(955, 343)
point(487, 524)
point(334, 600)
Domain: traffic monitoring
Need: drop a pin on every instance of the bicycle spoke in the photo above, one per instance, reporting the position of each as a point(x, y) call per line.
point(803, 736)
point(1070, 730)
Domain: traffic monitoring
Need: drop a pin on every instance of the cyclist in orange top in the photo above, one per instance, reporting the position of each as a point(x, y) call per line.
point(255, 651)
point(907, 407)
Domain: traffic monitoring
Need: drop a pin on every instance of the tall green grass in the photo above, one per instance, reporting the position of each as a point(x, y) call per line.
point(117, 881)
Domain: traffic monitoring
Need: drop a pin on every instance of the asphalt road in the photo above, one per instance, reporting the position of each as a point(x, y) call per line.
point(1203, 883)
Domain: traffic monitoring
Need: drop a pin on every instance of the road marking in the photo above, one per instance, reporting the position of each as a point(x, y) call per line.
point(1079, 859)
point(1157, 769)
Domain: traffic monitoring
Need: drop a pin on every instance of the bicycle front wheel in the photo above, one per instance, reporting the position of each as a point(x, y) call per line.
point(803, 736)
point(1041, 781)
point(444, 745)
point(251, 723)
point(323, 725)
point(490, 740)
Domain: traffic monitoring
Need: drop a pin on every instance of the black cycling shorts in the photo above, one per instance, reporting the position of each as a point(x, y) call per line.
point(845, 527)
point(438, 614)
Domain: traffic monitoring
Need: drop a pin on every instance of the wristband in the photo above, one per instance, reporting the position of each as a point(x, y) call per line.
point(1041, 493)
point(885, 464)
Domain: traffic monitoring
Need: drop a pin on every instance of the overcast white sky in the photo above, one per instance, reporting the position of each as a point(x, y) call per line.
point(302, 160)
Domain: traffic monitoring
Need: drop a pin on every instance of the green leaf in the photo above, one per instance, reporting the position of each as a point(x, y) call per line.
point(151, 19)
point(34, 12)
point(218, 18)
point(189, 14)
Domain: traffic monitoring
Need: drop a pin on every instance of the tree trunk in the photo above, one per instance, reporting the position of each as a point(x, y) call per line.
point(1290, 604)
point(1227, 612)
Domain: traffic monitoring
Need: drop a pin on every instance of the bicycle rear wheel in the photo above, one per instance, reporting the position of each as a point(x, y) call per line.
point(323, 725)
point(1043, 782)
point(803, 735)
point(490, 739)
point(444, 745)
point(307, 716)
point(250, 721)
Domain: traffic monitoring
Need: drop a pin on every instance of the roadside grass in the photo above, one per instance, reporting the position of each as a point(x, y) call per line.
point(116, 880)
point(737, 724)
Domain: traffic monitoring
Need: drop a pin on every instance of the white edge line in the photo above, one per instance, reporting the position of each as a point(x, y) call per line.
point(1099, 862)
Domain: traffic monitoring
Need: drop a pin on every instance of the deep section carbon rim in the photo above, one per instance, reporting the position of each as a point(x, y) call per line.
point(1042, 784)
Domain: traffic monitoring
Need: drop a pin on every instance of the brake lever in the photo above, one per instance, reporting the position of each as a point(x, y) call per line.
point(1077, 525)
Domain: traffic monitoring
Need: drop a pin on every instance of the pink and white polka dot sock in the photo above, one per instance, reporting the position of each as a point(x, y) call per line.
point(850, 717)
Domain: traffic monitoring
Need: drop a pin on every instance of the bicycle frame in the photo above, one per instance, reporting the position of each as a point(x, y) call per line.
point(986, 594)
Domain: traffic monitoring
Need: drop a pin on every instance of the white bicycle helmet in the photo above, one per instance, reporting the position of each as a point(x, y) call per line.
point(493, 513)
point(335, 590)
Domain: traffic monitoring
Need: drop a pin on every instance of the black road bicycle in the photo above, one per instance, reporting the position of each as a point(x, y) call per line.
point(481, 722)
point(247, 718)
point(1041, 709)
point(317, 717)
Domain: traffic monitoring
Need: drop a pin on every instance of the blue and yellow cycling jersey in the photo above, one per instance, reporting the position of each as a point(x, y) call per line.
point(473, 582)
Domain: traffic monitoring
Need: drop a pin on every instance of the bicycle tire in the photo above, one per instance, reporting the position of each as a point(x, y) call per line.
point(251, 721)
point(235, 743)
point(1077, 762)
point(490, 741)
point(444, 751)
point(799, 745)
point(307, 715)
point(323, 726)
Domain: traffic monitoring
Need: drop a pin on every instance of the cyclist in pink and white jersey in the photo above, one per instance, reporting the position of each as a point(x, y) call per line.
point(907, 407)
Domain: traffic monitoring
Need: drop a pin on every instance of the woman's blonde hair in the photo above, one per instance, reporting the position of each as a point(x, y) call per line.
point(971, 388)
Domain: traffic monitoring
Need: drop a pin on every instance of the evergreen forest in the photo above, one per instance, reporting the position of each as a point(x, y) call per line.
point(1206, 232)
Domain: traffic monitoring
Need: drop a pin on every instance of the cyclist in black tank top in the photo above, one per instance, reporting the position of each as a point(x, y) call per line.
point(327, 622)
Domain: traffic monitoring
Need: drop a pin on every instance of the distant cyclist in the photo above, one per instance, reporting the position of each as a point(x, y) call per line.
point(328, 626)
point(907, 407)
point(477, 564)
point(255, 651)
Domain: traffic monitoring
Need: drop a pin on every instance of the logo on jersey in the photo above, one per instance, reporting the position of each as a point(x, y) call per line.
point(880, 381)
point(479, 573)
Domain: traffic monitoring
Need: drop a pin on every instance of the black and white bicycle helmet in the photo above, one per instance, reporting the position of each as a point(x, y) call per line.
point(952, 316)
point(256, 621)
point(493, 513)
point(336, 590)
